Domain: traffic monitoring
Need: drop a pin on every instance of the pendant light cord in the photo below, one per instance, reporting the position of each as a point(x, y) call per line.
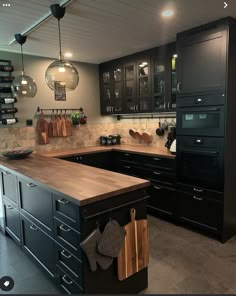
point(22, 60)
point(59, 31)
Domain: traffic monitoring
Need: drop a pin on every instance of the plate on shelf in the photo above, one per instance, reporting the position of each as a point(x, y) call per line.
point(17, 154)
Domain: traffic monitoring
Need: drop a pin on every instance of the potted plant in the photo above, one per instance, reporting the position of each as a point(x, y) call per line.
point(75, 117)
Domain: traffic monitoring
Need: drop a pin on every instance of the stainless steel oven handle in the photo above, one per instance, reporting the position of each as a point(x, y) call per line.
point(197, 190)
point(198, 198)
point(65, 280)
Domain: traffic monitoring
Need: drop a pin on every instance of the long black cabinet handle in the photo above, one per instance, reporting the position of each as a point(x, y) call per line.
point(31, 185)
point(198, 190)
point(64, 255)
point(63, 201)
point(66, 281)
point(10, 207)
point(64, 229)
point(33, 227)
point(156, 158)
point(127, 167)
point(127, 154)
point(197, 198)
point(201, 152)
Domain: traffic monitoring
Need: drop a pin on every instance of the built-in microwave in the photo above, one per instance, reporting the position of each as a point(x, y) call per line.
point(200, 162)
point(201, 121)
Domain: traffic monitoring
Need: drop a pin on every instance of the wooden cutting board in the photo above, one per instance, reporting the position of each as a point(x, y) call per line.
point(134, 254)
point(42, 129)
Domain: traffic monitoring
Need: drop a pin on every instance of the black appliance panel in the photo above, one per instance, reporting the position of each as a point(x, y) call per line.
point(200, 162)
point(201, 121)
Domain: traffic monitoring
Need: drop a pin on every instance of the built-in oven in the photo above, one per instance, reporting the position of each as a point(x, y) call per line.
point(201, 121)
point(200, 162)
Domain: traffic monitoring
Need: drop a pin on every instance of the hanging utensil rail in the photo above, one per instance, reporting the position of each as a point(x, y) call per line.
point(39, 110)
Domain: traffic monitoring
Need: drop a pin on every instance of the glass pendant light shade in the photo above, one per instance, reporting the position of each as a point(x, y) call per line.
point(24, 86)
point(63, 72)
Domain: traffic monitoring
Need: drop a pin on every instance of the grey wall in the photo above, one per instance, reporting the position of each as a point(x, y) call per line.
point(86, 95)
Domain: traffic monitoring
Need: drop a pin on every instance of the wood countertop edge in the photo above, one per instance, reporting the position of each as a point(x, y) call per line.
point(79, 202)
point(99, 149)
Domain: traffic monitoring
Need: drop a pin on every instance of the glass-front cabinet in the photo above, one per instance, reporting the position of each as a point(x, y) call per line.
point(111, 90)
point(141, 83)
point(159, 84)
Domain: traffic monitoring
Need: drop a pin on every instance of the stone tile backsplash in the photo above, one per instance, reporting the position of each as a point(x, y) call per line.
point(83, 135)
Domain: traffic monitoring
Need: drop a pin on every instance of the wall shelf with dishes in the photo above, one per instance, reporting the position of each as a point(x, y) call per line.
point(7, 100)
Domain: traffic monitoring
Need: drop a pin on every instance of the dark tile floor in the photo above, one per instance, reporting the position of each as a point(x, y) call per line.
point(181, 261)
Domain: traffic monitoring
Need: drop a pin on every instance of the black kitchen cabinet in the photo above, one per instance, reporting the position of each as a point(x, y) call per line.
point(163, 200)
point(12, 221)
point(200, 212)
point(202, 60)
point(9, 186)
point(38, 208)
point(38, 244)
point(147, 82)
point(111, 85)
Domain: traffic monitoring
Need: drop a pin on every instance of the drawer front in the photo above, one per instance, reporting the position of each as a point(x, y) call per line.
point(200, 191)
point(67, 237)
point(201, 100)
point(65, 281)
point(158, 162)
point(200, 211)
point(69, 263)
point(66, 211)
point(127, 168)
point(9, 186)
point(162, 199)
point(160, 176)
point(127, 156)
point(37, 202)
point(12, 221)
point(38, 244)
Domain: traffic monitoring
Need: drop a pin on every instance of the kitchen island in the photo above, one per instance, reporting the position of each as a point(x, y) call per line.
point(52, 205)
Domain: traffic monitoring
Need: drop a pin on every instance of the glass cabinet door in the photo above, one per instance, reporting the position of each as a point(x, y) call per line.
point(117, 92)
point(143, 79)
point(173, 81)
point(130, 81)
point(159, 85)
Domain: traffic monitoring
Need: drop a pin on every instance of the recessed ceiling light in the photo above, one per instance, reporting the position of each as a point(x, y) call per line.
point(68, 54)
point(167, 13)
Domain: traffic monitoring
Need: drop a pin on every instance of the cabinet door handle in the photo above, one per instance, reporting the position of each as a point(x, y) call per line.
point(66, 281)
point(157, 188)
point(156, 173)
point(33, 227)
point(31, 185)
point(10, 207)
point(178, 87)
point(64, 255)
point(156, 158)
point(6, 173)
point(197, 190)
point(127, 154)
point(63, 201)
point(64, 229)
point(127, 167)
point(197, 198)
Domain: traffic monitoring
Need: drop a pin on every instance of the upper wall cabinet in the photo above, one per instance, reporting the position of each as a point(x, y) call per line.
point(201, 61)
point(144, 82)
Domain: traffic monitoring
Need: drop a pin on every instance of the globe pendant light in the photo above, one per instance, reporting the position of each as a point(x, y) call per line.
point(61, 72)
point(23, 85)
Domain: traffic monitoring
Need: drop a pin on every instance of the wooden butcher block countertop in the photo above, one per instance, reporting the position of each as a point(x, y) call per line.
point(84, 184)
point(151, 151)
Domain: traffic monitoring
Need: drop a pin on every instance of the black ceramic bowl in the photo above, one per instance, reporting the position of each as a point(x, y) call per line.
point(17, 154)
